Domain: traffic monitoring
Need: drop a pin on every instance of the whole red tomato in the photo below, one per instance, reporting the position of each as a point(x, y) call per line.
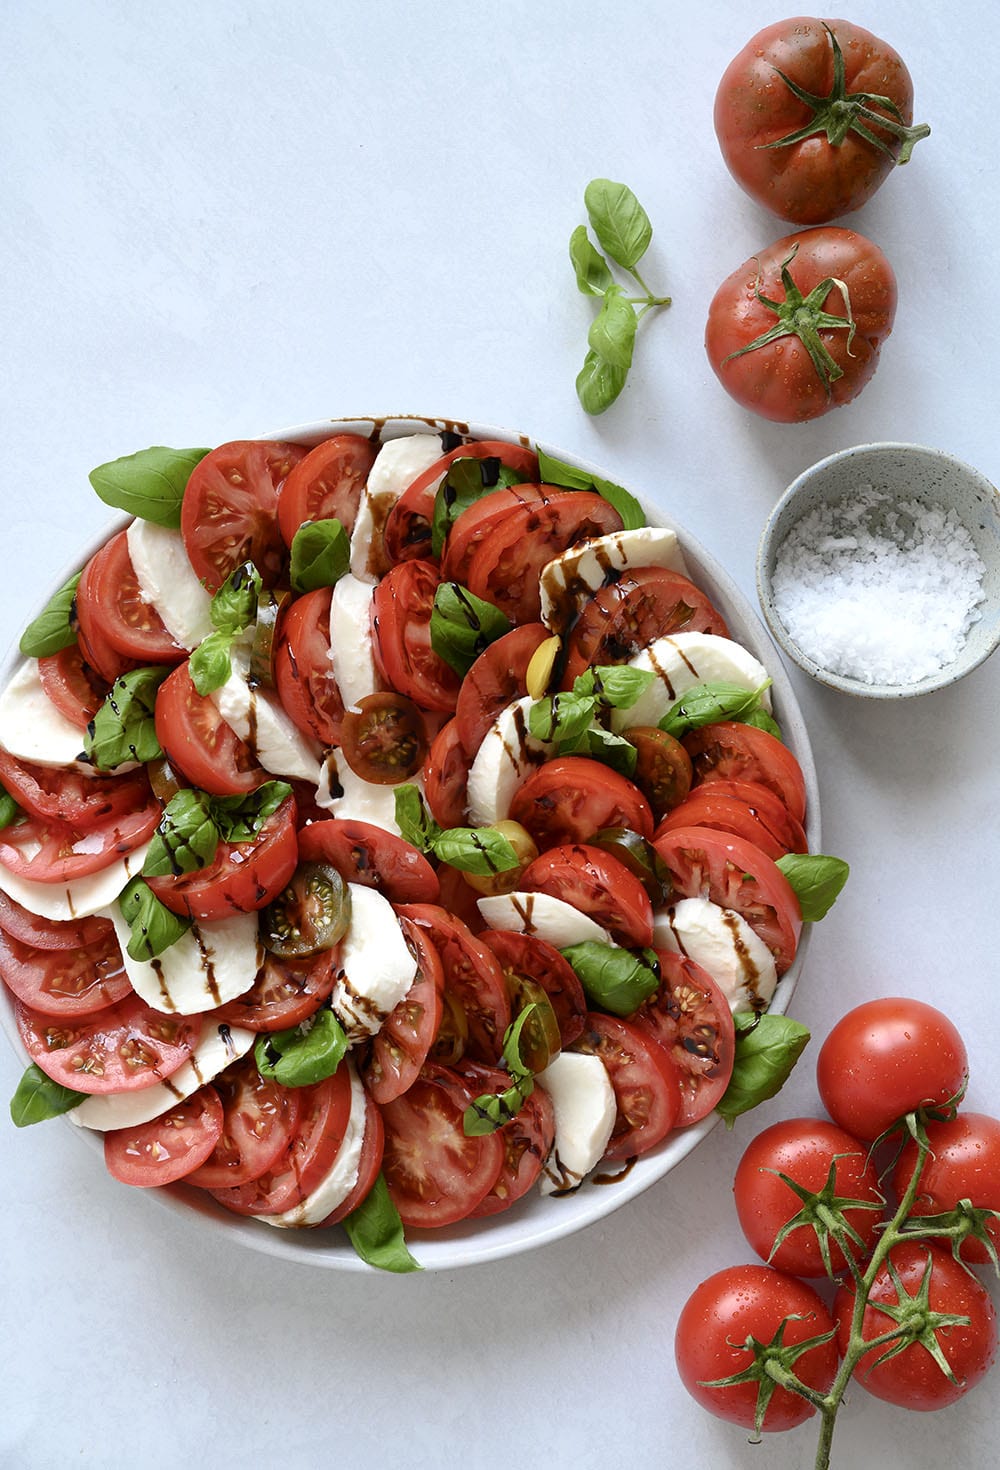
point(811, 158)
point(964, 1163)
point(797, 329)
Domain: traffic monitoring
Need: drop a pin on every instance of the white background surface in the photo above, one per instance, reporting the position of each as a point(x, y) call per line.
point(216, 224)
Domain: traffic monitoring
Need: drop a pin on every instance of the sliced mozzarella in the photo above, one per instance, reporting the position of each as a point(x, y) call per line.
point(168, 581)
point(551, 919)
point(376, 965)
point(585, 1109)
point(31, 728)
point(722, 942)
point(343, 1176)
point(258, 718)
point(209, 965)
point(351, 651)
point(508, 755)
point(682, 661)
point(346, 795)
point(77, 899)
point(396, 466)
point(572, 577)
point(219, 1046)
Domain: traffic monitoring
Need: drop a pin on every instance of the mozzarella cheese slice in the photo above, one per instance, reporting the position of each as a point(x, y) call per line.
point(31, 728)
point(508, 755)
point(344, 794)
point(168, 581)
point(258, 718)
point(722, 942)
point(571, 578)
point(210, 964)
point(219, 1046)
point(551, 919)
point(397, 465)
point(351, 650)
point(376, 965)
point(682, 661)
point(585, 1109)
point(343, 1176)
point(80, 898)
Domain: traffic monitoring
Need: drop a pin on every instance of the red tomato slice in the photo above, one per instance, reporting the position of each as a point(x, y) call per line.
point(402, 606)
point(472, 974)
point(400, 1048)
point(229, 513)
point(122, 1048)
point(58, 852)
point(744, 808)
point(730, 751)
point(496, 678)
point(527, 956)
point(369, 1166)
point(76, 689)
point(459, 898)
point(259, 1117)
point(284, 993)
point(435, 1174)
point(111, 610)
point(478, 520)
point(645, 1081)
point(599, 886)
point(505, 567)
point(690, 1018)
point(363, 853)
point(65, 982)
point(28, 928)
point(446, 777)
point(242, 877)
point(732, 872)
point(327, 484)
point(620, 620)
point(303, 671)
point(572, 797)
point(168, 1147)
point(408, 527)
point(384, 738)
point(198, 742)
point(527, 1139)
point(66, 794)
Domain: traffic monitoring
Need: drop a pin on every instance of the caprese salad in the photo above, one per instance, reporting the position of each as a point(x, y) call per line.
point(388, 829)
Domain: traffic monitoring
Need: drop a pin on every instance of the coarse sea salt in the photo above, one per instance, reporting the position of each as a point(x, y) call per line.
point(879, 590)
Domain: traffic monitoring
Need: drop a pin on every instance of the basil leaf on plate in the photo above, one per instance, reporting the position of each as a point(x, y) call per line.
point(415, 823)
point(615, 979)
point(234, 606)
point(186, 837)
point(555, 472)
point(618, 220)
point(767, 1048)
point(593, 274)
point(53, 629)
point(123, 729)
point(9, 809)
point(478, 850)
point(465, 482)
point(611, 750)
point(149, 484)
point(763, 721)
point(463, 625)
point(321, 554)
point(817, 880)
point(376, 1231)
point(304, 1054)
point(240, 818)
point(37, 1097)
point(211, 664)
point(707, 704)
point(614, 686)
point(154, 927)
point(562, 717)
point(492, 1110)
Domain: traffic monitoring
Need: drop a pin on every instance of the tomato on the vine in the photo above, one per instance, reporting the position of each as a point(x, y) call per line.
point(963, 1164)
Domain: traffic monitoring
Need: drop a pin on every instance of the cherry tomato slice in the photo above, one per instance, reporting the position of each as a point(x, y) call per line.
point(283, 994)
point(363, 853)
point(76, 689)
point(599, 886)
point(527, 955)
point(326, 485)
point(65, 982)
point(446, 777)
point(310, 914)
point(119, 1049)
point(645, 1081)
point(384, 740)
point(472, 973)
point(663, 770)
point(198, 742)
point(401, 1047)
point(402, 607)
point(111, 609)
point(259, 1117)
point(229, 513)
point(527, 1139)
point(168, 1147)
point(729, 751)
point(303, 672)
point(408, 526)
point(242, 877)
point(570, 798)
point(496, 678)
point(690, 1018)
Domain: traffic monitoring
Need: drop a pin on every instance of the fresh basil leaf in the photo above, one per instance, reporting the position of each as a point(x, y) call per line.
point(817, 880)
point(511, 1051)
point(478, 850)
point(9, 809)
point(612, 332)
point(234, 606)
point(186, 837)
point(613, 686)
point(615, 979)
point(123, 728)
point(149, 484)
point(154, 927)
point(763, 721)
point(321, 554)
point(376, 1231)
point(492, 1110)
point(415, 823)
point(593, 274)
point(304, 1054)
point(598, 383)
point(562, 717)
point(466, 481)
point(211, 664)
point(707, 704)
point(618, 220)
point(463, 625)
point(53, 629)
point(767, 1048)
point(611, 750)
point(240, 818)
point(37, 1098)
point(554, 472)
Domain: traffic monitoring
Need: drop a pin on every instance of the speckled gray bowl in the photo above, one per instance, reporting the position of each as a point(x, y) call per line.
point(906, 472)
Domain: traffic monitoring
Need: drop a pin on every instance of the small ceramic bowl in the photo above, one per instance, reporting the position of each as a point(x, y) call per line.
point(893, 483)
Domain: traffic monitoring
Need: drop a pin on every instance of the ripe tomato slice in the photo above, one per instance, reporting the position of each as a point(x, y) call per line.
point(621, 619)
point(111, 609)
point(506, 565)
point(571, 798)
point(730, 751)
point(242, 877)
point(527, 1139)
point(446, 777)
point(284, 993)
point(496, 678)
point(47, 851)
point(690, 1017)
point(598, 885)
point(525, 956)
point(327, 484)
point(229, 513)
point(369, 1166)
point(400, 1048)
point(662, 768)
point(744, 808)
point(645, 1081)
point(31, 929)
point(65, 982)
point(65, 794)
point(198, 742)
point(119, 1049)
point(76, 689)
point(472, 974)
point(402, 607)
point(259, 1117)
point(384, 738)
point(168, 1147)
point(478, 520)
point(459, 898)
point(435, 1174)
point(363, 853)
point(732, 872)
point(303, 672)
point(408, 526)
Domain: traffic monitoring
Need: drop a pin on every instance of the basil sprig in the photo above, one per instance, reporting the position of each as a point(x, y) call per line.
point(624, 232)
point(767, 1048)
point(149, 484)
point(321, 554)
point(53, 629)
point(817, 880)
point(154, 927)
point(491, 1110)
point(37, 1097)
point(555, 472)
point(466, 481)
point(481, 851)
point(707, 704)
point(376, 1231)
point(233, 610)
point(565, 717)
point(463, 625)
point(123, 729)
point(617, 980)
point(304, 1054)
point(193, 823)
